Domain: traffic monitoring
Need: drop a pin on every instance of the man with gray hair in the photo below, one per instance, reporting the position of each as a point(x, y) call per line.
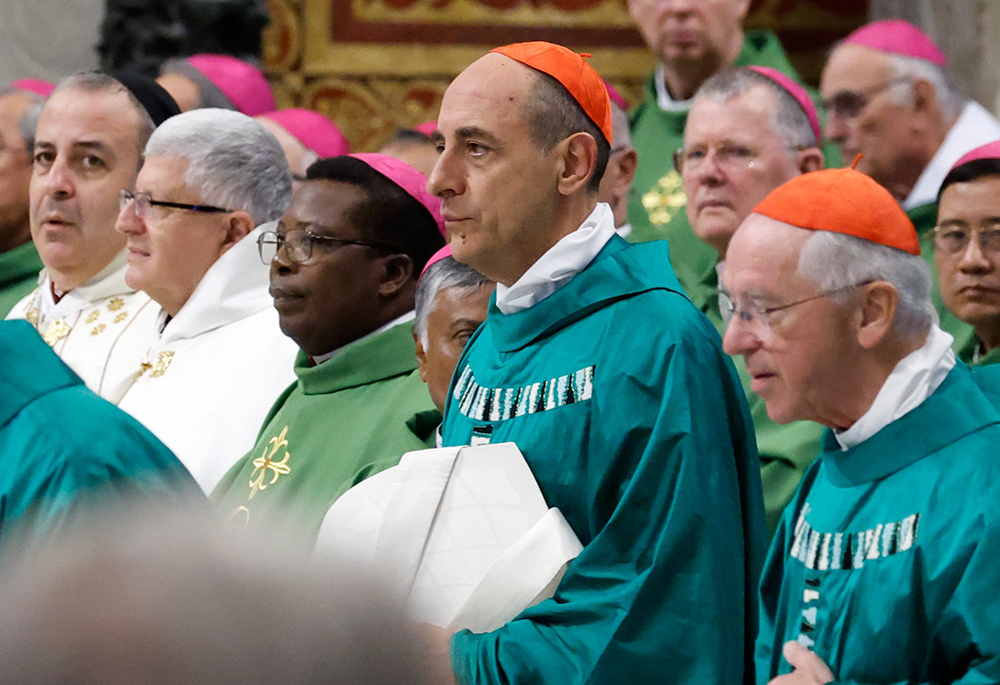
point(889, 97)
point(451, 303)
point(19, 262)
point(883, 568)
point(217, 358)
point(88, 146)
point(749, 130)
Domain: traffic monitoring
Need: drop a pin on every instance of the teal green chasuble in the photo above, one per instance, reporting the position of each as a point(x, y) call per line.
point(657, 202)
point(18, 275)
point(632, 420)
point(887, 563)
point(344, 420)
point(62, 448)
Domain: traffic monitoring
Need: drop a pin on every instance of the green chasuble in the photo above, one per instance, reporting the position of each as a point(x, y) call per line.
point(657, 201)
point(786, 450)
point(888, 561)
point(631, 418)
point(924, 218)
point(18, 275)
point(63, 448)
point(991, 357)
point(344, 420)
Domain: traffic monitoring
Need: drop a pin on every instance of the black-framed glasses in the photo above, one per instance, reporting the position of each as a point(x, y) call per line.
point(954, 240)
point(143, 202)
point(298, 244)
point(848, 104)
point(755, 317)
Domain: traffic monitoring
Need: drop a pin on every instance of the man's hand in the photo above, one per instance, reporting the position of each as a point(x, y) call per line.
point(437, 654)
point(808, 669)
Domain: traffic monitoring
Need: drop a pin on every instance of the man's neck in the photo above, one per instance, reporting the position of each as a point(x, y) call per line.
point(923, 151)
point(683, 78)
point(569, 220)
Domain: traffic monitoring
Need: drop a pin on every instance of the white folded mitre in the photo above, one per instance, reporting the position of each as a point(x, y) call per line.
point(463, 532)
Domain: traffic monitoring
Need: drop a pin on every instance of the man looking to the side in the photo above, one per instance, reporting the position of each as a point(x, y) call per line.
point(88, 146)
point(893, 525)
point(612, 385)
point(344, 262)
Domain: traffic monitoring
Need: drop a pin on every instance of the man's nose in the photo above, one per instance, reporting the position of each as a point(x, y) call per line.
point(58, 179)
point(128, 222)
point(446, 177)
point(974, 259)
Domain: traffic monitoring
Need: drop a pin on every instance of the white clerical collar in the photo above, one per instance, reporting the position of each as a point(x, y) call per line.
point(408, 316)
point(560, 263)
point(663, 99)
point(913, 380)
point(975, 126)
point(624, 230)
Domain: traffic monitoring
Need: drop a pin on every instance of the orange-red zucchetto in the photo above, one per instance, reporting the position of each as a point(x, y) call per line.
point(571, 70)
point(843, 201)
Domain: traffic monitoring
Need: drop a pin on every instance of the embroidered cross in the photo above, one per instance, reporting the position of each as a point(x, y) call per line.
point(266, 462)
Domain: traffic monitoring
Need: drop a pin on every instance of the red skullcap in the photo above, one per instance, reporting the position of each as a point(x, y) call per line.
point(573, 72)
point(407, 178)
point(898, 37)
point(312, 129)
point(842, 201)
point(797, 92)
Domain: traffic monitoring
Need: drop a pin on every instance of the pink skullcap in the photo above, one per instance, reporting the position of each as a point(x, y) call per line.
point(437, 257)
point(407, 178)
point(898, 37)
point(34, 85)
point(241, 82)
point(615, 96)
point(427, 128)
point(312, 129)
point(797, 92)
point(988, 151)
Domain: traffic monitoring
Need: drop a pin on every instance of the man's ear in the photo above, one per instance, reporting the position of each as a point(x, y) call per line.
point(627, 162)
point(397, 274)
point(924, 97)
point(238, 227)
point(878, 310)
point(810, 159)
point(421, 356)
point(578, 154)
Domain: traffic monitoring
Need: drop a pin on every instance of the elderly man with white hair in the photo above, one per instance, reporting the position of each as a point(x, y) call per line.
point(884, 567)
point(217, 359)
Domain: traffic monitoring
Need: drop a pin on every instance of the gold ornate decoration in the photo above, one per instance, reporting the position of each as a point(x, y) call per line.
point(665, 199)
point(98, 329)
point(115, 304)
point(266, 462)
point(56, 331)
point(159, 367)
point(31, 316)
point(121, 317)
point(93, 316)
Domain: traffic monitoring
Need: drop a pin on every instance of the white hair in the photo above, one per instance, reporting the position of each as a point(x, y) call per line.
point(233, 161)
point(788, 120)
point(910, 69)
point(443, 274)
point(836, 260)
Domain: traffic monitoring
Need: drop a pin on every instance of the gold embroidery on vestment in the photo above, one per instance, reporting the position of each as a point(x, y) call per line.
point(121, 317)
point(98, 329)
point(56, 332)
point(665, 199)
point(92, 317)
point(162, 363)
point(31, 316)
point(115, 304)
point(266, 462)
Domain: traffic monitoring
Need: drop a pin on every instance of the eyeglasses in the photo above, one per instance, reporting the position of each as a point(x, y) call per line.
point(143, 202)
point(848, 104)
point(955, 239)
point(298, 244)
point(729, 156)
point(756, 318)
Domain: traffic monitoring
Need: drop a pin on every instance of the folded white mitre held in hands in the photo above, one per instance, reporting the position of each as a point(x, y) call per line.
point(464, 532)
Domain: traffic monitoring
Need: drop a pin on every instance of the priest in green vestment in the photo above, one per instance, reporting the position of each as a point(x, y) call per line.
point(64, 450)
point(890, 98)
point(750, 129)
point(967, 249)
point(19, 261)
point(689, 50)
point(883, 568)
point(344, 265)
point(613, 386)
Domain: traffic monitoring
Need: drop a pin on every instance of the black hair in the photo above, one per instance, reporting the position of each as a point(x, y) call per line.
point(388, 214)
point(970, 171)
point(554, 115)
